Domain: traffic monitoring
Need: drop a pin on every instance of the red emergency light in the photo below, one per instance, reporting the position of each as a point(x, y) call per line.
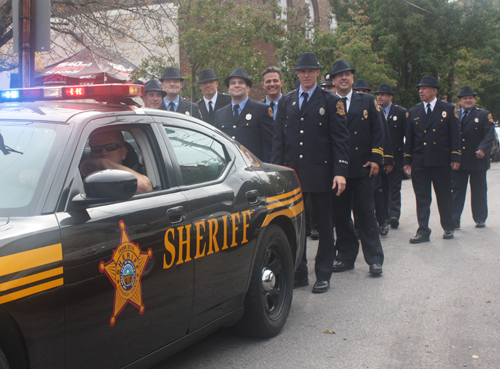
point(95, 92)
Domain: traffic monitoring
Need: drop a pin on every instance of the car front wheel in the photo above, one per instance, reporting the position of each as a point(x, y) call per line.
point(269, 296)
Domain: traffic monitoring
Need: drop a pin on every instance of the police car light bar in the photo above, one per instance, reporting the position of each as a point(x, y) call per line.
point(71, 92)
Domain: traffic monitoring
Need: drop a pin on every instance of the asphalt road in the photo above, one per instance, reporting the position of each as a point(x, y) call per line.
point(437, 305)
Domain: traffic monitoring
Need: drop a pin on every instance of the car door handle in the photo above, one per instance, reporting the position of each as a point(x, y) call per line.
point(253, 197)
point(176, 215)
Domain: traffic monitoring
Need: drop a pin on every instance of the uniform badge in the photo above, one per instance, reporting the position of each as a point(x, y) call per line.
point(395, 118)
point(365, 114)
point(271, 113)
point(476, 120)
point(376, 105)
point(444, 114)
point(321, 111)
point(293, 104)
point(340, 108)
point(248, 116)
point(407, 114)
point(125, 270)
point(456, 114)
point(328, 77)
point(490, 118)
point(187, 113)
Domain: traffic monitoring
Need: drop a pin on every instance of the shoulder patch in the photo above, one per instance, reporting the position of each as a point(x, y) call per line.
point(340, 108)
point(456, 114)
point(407, 114)
point(271, 113)
point(376, 105)
point(490, 117)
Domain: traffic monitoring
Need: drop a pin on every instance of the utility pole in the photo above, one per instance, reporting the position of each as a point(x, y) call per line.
point(26, 43)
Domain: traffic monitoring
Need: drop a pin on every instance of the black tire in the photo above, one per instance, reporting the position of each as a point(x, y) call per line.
point(3, 361)
point(269, 295)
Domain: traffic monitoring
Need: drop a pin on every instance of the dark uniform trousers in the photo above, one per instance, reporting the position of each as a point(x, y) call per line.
point(397, 121)
point(431, 145)
point(314, 142)
point(366, 136)
point(477, 133)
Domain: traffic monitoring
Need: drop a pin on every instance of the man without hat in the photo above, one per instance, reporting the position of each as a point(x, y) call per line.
point(153, 94)
point(366, 156)
point(212, 100)
point(396, 117)
point(247, 121)
point(432, 151)
point(272, 83)
point(477, 132)
point(310, 136)
point(171, 82)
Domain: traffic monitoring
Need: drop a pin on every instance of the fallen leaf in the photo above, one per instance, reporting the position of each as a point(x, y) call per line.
point(328, 332)
point(475, 357)
point(488, 302)
point(429, 352)
point(427, 298)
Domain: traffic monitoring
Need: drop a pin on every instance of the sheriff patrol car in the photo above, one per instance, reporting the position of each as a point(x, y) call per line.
point(94, 274)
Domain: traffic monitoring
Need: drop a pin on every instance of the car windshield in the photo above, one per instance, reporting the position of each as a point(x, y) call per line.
point(24, 149)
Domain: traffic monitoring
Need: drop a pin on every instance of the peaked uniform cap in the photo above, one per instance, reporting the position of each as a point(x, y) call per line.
point(307, 61)
point(171, 73)
point(361, 84)
point(341, 66)
point(428, 81)
point(384, 88)
point(240, 73)
point(154, 85)
point(327, 83)
point(466, 91)
point(207, 75)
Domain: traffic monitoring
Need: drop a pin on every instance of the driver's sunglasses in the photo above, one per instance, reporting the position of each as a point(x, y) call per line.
point(108, 147)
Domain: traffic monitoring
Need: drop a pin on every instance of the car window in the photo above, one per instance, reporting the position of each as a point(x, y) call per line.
point(139, 154)
point(201, 158)
point(24, 150)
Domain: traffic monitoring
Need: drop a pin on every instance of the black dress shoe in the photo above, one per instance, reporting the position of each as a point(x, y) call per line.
point(376, 269)
point(394, 222)
point(480, 224)
point(321, 286)
point(383, 230)
point(314, 234)
point(301, 282)
point(342, 267)
point(448, 235)
point(419, 238)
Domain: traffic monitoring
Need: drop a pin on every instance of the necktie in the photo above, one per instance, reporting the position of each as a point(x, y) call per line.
point(429, 111)
point(344, 100)
point(272, 104)
point(210, 110)
point(171, 106)
point(465, 115)
point(305, 95)
point(236, 108)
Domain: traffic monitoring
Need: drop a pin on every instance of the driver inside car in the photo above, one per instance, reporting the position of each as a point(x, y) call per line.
point(107, 151)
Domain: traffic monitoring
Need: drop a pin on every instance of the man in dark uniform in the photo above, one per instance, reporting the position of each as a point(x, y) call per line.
point(272, 83)
point(247, 121)
point(397, 122)
point(432, 146)
point(361, 85)
point(311, 137)
point(328, 84)
point(212, 100)
point(171, 82)
point(366, 155)
point(477, 132)
point(153, 94)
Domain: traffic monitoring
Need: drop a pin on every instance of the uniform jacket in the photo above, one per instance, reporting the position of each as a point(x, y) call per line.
point(477, 132)
point(222, 100)
point(185, 107)
point(388, 155)
point(315, 143)
point(253, 128)
point(434, 141)
point(366, 132)
point(397, 120)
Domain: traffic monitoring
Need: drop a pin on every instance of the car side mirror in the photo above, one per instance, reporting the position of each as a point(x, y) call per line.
point(110, 184)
